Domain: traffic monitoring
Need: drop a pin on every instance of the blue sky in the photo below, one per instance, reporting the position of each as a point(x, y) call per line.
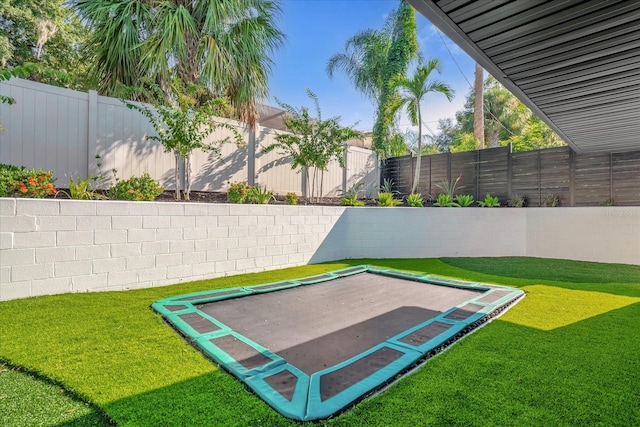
point(318, 29)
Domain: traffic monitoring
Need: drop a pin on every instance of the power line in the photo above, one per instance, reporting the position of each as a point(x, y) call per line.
point(484, 105)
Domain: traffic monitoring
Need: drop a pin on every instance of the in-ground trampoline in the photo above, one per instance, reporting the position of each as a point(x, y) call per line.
point(311, 347)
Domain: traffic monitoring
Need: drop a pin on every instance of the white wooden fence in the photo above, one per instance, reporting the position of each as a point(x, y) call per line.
point(63, 130)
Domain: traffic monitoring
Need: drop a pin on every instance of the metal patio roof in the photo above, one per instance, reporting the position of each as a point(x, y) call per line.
point(575, 63)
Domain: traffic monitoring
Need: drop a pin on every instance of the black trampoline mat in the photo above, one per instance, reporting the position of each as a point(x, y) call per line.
point(317, 326)
point(312, 346)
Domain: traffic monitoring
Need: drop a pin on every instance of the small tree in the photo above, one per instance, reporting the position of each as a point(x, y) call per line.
point(184, 126)
point(312, 142)
point(412, 92)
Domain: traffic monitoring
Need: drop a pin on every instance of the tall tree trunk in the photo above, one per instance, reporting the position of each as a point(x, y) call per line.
point(176, 176)
point(187, 177)
point(416, 176)
point(478, 106)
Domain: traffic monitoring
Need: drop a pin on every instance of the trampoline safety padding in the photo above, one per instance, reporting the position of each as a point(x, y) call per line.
point(313, 346)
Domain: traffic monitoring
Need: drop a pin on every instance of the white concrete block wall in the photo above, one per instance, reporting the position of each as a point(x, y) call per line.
point(58, 246)
point(601, 234)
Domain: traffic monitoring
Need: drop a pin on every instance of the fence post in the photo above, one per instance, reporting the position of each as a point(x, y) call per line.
point(572, 178)
point(92, 134)
point(477, 174)
point(252, 176)
point(509, 173)
point(344, 169)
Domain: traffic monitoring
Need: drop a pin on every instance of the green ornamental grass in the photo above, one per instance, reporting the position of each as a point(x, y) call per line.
point(565, 355)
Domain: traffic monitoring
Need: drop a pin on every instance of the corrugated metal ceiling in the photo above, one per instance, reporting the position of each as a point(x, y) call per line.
point(575, 63)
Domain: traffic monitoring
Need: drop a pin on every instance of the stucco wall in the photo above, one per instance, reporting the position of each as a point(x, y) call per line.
point(58, 246)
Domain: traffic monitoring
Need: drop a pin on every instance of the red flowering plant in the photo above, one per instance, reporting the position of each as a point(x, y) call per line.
point(237, 192)
point(20, 182)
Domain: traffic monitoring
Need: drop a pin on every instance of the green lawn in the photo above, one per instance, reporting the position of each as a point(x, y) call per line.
point(567, 354)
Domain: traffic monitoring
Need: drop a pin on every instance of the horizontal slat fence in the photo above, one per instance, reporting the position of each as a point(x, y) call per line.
point(576, 179)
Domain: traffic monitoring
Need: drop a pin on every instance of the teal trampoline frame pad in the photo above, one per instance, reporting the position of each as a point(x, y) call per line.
point(312, 347)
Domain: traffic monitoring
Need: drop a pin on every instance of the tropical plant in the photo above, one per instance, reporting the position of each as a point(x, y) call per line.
point(387, 199)
point(258, 195)
point(351, 200)
point(609, 202)
point(350, 197)
point(415, 200)
point(551, 201)
point(184, 126)
point(516, 201)
point(445, 201)
point(223, 46)
point(412, 92)
point(387, 186)
point(142, 188)
point(371, 58)
point(83, 189)
point(449, 187)
point(291, 199)
point(312, 142)
point(489, 202)
point(464, 200)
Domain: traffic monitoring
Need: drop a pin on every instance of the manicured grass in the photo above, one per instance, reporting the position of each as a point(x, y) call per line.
point(567, 354)
point(26, 400)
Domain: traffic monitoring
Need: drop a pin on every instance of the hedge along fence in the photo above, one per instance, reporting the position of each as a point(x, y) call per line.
point(577, 179)
point(62, 130)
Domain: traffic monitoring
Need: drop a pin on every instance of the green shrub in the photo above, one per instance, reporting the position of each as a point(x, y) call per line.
point(464, 200)
point(82, 190)
point(552, 201)
point(258, 195)
point(386, 199)
point(291, 198)
point(489, 202)
point(517, 201)
point(415, 200)
point(445, 201)
point(237, 192)
point(351, 200)
point(20, 182)
point(142, 188)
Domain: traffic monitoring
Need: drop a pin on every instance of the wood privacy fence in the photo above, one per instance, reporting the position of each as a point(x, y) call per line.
point(577, 179)
point(63, 130)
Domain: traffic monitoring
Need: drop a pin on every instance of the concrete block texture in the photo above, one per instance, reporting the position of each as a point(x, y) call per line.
point(59, 246)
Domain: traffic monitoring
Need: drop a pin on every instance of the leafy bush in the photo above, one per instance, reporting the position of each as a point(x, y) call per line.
point(517, 201)
point(445, 201)
point(20, 182)
point(351, 200)
point(142, 188)
point(237, 192)
point(489, 202)
point(552, 201)
point(415, 200)
point(386, 199)
point(608, 202)
point(464, 200)
point(258, 195)
point(291, 198)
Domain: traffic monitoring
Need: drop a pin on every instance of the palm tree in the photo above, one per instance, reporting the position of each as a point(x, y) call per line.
point(412, 93)
point(223, 45)
point(371, 58)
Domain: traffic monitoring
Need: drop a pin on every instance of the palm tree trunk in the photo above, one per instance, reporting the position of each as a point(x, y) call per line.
point(416, 176)
point(478, 106)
